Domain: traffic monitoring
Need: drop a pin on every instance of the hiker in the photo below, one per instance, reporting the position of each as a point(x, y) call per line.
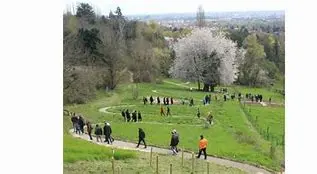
point(224, 97)
point(174, 142)
point(167, 101)
point(209, 99)
point(191, 102)
point(261, 97)
point(81, 124)
point(158, 100)
point(239, 96)
point(210, 118)
point(168, 111)
point(127, 114)
point(164, 101)
point(246, 95)
point(77, 125)
point(151, 100)
point(202, 146)
point(141, 138)
point(107, 132)
point(256, 98)
point(252, 98)
point(74, 120)
point(139, 116)
point(123, 114)
point(198, 113)
point(206, 99)
point(144, 100)
point(172, 102)
point(162, 111)
point(98, 133)
point(270, 100)
point(134, 116)
point(183, 102)
point(89, 129)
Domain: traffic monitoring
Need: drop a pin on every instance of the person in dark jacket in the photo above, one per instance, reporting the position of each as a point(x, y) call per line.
point(74, 120)
point(164, 100)
point(134, 114)
point(81, 124)
point(158, 100)
point(198, 113)
point(89, 129)
point(139, 116)
point(167, 101)
point(168, 111)
point(98, 133)
point(107, 132)
point(174, 142)
point(172, 101)
point(141, 137)
point(144, 100)
point(127, 114)
point(151, 100)
point(123, 114)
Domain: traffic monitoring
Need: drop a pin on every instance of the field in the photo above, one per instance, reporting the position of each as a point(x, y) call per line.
point(233, 135)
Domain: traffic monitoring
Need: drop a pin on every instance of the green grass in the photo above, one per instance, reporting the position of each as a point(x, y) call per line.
point(272, 117)
point(231, 137)
point(79, 150)
point(141, 165)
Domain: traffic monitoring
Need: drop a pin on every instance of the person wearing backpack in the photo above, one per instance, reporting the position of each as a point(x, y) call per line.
point(98, 133)
point(174, 142)
point(74, 120)
point(141, 137)
point(107, 132)
point(89, 129)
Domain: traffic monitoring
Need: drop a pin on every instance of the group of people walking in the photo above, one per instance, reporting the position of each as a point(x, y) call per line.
point(79, 123)
point(168, 111)
point(133, 117)
point(165, 101)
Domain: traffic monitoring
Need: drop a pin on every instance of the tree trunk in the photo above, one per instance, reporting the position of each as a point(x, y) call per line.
point(212, 88)
point(206, 87)
point(198, 82)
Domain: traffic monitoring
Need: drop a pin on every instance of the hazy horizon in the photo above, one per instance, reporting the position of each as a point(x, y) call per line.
point(155, 7)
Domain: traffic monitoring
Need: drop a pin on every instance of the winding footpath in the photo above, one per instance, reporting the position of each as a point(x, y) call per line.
point(132, 146)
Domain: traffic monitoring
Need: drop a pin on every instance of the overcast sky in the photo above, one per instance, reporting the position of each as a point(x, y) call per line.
point(129, 7)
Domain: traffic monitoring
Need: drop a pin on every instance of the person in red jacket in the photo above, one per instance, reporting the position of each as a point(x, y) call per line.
point(202, 146)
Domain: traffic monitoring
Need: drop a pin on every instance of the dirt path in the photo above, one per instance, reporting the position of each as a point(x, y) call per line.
point(132, 146)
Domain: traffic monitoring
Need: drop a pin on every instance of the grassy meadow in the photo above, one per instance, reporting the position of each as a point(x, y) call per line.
point(232, 136)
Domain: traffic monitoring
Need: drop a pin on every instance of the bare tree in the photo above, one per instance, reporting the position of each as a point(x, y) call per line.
point(200, 17)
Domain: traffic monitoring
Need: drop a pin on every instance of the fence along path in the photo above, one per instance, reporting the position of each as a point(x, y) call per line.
point(132, 146)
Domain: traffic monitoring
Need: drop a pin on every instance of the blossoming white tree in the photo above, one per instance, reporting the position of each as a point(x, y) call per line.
point(206, 57)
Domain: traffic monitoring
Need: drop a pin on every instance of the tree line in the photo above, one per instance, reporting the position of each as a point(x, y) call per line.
point(102, 51)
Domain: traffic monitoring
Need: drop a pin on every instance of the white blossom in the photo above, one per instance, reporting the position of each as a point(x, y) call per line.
point(191, 56)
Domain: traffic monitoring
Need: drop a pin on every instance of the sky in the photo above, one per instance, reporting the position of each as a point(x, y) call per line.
point(131, 7)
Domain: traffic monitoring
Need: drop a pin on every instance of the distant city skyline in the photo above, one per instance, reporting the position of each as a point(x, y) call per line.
point(139, 7)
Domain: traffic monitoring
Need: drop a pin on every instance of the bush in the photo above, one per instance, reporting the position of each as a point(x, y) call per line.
point(79, 87)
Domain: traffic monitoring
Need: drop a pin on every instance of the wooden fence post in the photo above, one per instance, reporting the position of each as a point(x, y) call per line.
point(112, 161)
point(183, 157)
point(157, 165)
point(193, 162)
point(207, 167)
point(151, 156)
point(171, 168)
